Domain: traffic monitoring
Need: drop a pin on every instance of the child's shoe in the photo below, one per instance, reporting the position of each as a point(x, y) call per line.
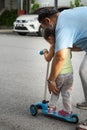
point(64, 113)
point(51, 109)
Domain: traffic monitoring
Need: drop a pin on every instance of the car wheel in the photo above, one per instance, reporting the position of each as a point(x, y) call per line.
point(40, 32)
point(22, 33)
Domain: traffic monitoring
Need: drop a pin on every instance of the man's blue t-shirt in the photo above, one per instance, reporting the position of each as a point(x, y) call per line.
point(71, 29)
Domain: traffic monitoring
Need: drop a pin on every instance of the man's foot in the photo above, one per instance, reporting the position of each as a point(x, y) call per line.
point(64, 113)
point(82, 125)
point(82, 105)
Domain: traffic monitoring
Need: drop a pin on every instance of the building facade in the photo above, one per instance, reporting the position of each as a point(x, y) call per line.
point(61, 3)
point(8, 4)
point(14, 4)
point(11, 4)
point(2, 4)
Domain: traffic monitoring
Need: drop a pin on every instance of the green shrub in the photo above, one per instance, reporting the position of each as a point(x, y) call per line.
point(35, 7)
point(76, 3)
point(8, 17)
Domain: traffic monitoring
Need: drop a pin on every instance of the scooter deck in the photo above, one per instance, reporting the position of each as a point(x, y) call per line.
point(44, 108)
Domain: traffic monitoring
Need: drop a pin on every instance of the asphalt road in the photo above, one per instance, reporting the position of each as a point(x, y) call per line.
point(22, 79)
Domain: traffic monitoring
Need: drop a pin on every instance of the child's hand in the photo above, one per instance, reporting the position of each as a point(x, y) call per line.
point(45, 51)
point(53, 87)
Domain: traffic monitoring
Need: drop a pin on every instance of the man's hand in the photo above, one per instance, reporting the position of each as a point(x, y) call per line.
point(53, 87)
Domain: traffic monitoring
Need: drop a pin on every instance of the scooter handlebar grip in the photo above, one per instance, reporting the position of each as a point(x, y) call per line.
point(41, 52)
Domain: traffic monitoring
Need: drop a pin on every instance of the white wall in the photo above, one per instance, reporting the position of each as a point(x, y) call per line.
point(84, 2)
point(60, 2)
point(45, 2)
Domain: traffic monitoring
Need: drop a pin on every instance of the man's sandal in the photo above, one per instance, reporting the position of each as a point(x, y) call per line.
point(82, 125)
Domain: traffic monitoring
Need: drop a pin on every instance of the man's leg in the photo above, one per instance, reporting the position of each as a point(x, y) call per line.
point(83, 76)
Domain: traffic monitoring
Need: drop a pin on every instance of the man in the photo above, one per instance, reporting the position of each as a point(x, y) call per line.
point(70, 32)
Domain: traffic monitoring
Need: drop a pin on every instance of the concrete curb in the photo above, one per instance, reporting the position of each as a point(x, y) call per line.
point(4, 31)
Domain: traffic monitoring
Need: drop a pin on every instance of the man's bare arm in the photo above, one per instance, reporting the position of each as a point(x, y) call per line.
point(57, 63)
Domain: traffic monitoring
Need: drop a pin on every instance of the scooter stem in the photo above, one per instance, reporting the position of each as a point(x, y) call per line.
point(46, 83)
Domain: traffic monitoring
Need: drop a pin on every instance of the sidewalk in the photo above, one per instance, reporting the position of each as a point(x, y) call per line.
point(6, 31)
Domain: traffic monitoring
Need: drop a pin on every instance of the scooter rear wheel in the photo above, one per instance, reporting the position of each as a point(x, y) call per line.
point(33, 110)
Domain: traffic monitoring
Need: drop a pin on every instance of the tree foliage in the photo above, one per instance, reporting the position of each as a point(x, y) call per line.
point(76, 3)
point(35, 7)
point(8, 17)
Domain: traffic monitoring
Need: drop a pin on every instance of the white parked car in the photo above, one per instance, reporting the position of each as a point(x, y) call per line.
point(27, 24)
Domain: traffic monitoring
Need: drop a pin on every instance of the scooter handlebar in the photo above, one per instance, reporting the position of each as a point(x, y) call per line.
point(41, 52)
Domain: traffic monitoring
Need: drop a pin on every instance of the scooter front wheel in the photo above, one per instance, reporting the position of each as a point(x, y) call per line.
point(75, 119)
point(33, 110)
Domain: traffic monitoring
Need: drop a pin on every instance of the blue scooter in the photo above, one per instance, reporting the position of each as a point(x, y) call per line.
point(44, 106)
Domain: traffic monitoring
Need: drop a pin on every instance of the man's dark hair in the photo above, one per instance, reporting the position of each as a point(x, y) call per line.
point(49, 32)
point(46, 12)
